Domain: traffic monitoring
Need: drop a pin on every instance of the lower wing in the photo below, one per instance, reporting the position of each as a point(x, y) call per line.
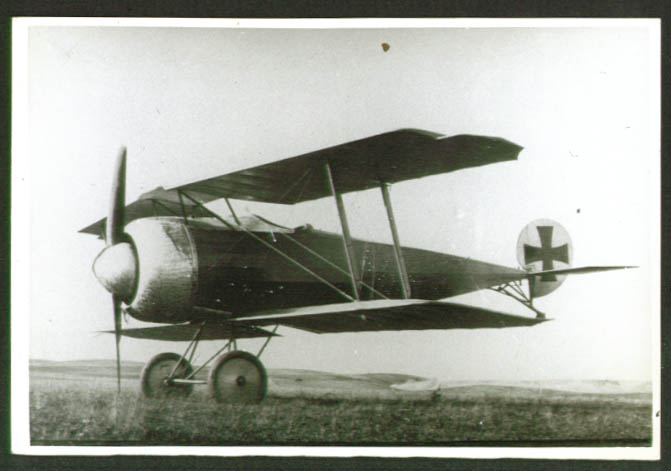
point(358, 316)
point(381, 315)
point(184, 332)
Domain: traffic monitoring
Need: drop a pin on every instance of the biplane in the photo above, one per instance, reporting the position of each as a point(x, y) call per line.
point(171, 260)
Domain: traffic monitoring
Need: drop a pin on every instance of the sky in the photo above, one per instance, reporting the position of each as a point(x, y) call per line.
point(191, 103)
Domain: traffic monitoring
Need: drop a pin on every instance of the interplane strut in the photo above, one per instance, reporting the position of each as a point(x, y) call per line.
point(347, 238)
point(398, 251)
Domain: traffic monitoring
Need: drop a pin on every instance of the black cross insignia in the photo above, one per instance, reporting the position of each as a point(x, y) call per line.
point(546, 252)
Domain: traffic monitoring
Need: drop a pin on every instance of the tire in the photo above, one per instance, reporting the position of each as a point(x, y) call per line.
point(158, 369)
point(238, 377)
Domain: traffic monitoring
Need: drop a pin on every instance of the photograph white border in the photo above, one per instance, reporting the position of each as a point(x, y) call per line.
point(20, 256)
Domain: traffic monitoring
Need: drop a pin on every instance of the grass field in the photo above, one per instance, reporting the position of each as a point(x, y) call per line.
point(76, 403)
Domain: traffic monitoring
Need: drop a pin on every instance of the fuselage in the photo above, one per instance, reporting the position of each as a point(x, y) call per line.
point(187, 266)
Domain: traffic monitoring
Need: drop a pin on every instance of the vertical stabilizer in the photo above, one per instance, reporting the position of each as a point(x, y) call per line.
point(544, 245)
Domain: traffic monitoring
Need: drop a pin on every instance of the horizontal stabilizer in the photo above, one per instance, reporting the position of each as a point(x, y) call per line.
point(577, 271)
point(381, 315)
point(185, 332)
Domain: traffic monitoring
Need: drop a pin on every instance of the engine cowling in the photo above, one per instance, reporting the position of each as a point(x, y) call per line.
point(154, 270)
point(167, 274)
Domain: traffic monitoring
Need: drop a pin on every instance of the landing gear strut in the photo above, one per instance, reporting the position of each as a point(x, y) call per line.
point(514, 290)
point(236, 376)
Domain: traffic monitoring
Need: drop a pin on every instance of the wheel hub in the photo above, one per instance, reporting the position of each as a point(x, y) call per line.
point(240, 380)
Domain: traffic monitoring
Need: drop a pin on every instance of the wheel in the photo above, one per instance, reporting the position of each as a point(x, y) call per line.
point(156, 372)
point(238, 377)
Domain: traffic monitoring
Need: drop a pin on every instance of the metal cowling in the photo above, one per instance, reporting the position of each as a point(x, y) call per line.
point(167, 270)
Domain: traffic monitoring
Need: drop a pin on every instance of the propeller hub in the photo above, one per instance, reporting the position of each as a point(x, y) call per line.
point(116, 269)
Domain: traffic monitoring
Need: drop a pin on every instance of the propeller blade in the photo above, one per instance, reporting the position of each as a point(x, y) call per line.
point(115, 217)
point(117, 335)
point(114, 235)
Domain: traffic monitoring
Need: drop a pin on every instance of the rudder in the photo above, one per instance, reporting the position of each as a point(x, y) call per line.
point(544, 245)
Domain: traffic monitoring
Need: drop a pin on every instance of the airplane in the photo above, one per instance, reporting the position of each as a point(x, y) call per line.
point(171, 260)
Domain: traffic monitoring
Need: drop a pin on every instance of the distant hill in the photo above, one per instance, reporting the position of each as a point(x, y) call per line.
point(596, 386)
point(295, 381)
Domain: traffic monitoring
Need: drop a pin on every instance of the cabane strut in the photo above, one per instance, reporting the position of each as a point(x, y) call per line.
point(268, 245)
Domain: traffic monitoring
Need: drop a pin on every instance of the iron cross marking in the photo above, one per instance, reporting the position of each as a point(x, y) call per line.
point(546, 253)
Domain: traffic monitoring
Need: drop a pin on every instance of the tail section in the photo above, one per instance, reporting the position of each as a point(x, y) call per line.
point(545, 247)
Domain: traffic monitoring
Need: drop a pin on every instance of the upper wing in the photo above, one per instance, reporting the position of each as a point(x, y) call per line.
point(407, 314)
point(158, 202)
point(358, 165)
